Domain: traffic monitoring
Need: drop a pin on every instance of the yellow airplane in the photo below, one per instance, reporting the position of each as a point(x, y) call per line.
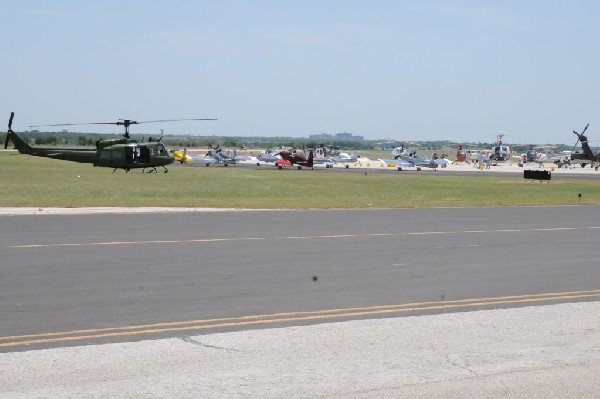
point(182, 156)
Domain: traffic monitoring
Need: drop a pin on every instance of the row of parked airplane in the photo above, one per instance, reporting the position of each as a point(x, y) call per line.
point(279, 158)
point(402, 158)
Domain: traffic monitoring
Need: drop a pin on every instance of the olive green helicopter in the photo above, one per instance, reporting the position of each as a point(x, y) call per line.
point(125, 153)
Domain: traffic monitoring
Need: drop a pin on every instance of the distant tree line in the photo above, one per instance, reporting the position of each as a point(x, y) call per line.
point(89, 139)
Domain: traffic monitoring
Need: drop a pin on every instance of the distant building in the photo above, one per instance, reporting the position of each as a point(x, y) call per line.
point(337, 136)
point(320, 137)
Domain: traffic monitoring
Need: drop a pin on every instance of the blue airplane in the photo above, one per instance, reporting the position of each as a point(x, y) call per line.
point(405, 159)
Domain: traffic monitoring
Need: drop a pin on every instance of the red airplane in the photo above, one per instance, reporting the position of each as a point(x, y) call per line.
point(295, 157)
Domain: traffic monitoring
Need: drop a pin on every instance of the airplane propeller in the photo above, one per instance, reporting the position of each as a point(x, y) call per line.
point(12, 115)
point(126, 123)
point(211, 148)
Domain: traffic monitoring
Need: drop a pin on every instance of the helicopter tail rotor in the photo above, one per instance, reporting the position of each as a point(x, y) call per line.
point(12, 115)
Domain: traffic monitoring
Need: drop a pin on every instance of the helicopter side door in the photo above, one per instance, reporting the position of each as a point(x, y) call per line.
point(133, 154)
point(144, 155)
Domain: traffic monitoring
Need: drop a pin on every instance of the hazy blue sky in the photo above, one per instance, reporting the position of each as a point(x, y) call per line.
point(407, 70)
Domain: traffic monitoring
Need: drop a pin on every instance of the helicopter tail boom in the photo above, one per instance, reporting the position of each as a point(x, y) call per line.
point(19, 143)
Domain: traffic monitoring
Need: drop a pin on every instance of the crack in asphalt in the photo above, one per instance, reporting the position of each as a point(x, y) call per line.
point(446, 357)
point(191, 340)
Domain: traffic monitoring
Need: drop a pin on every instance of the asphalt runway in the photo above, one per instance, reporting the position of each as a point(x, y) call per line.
point(77, 279)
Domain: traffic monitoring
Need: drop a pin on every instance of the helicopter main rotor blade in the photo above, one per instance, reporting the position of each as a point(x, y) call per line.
point(123, 122)
point(585, 128)
point(577, 142)
point(177, 120)
point(75, 124)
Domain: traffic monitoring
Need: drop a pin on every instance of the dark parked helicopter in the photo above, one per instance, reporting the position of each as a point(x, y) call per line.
point(125, 153)
point(588, 154)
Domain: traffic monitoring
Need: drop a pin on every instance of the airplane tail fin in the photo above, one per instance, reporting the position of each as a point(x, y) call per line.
point(436, 161)
point(433, 162)
point(19, 143)
point(309, 161)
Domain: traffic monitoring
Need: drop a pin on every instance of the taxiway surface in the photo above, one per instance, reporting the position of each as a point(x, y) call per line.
point(175, 273)
point(501, 302)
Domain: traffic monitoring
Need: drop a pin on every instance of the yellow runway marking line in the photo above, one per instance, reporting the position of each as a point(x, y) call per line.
point(212, 240)
point(198, 325)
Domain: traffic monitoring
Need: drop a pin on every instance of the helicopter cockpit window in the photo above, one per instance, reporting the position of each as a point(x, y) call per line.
point(161, 150)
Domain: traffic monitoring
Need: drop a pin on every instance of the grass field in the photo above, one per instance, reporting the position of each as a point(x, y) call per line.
point(40, 182)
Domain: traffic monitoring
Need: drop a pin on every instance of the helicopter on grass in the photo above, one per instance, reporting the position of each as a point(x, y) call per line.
point(125, 153)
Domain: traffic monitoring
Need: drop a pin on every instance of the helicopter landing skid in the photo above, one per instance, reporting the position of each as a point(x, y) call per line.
point(155, 171)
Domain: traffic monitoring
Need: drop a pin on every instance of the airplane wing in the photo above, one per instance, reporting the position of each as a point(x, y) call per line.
point(404, 164)
point(201, 158)
point(397, 162)
point(389, 161)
